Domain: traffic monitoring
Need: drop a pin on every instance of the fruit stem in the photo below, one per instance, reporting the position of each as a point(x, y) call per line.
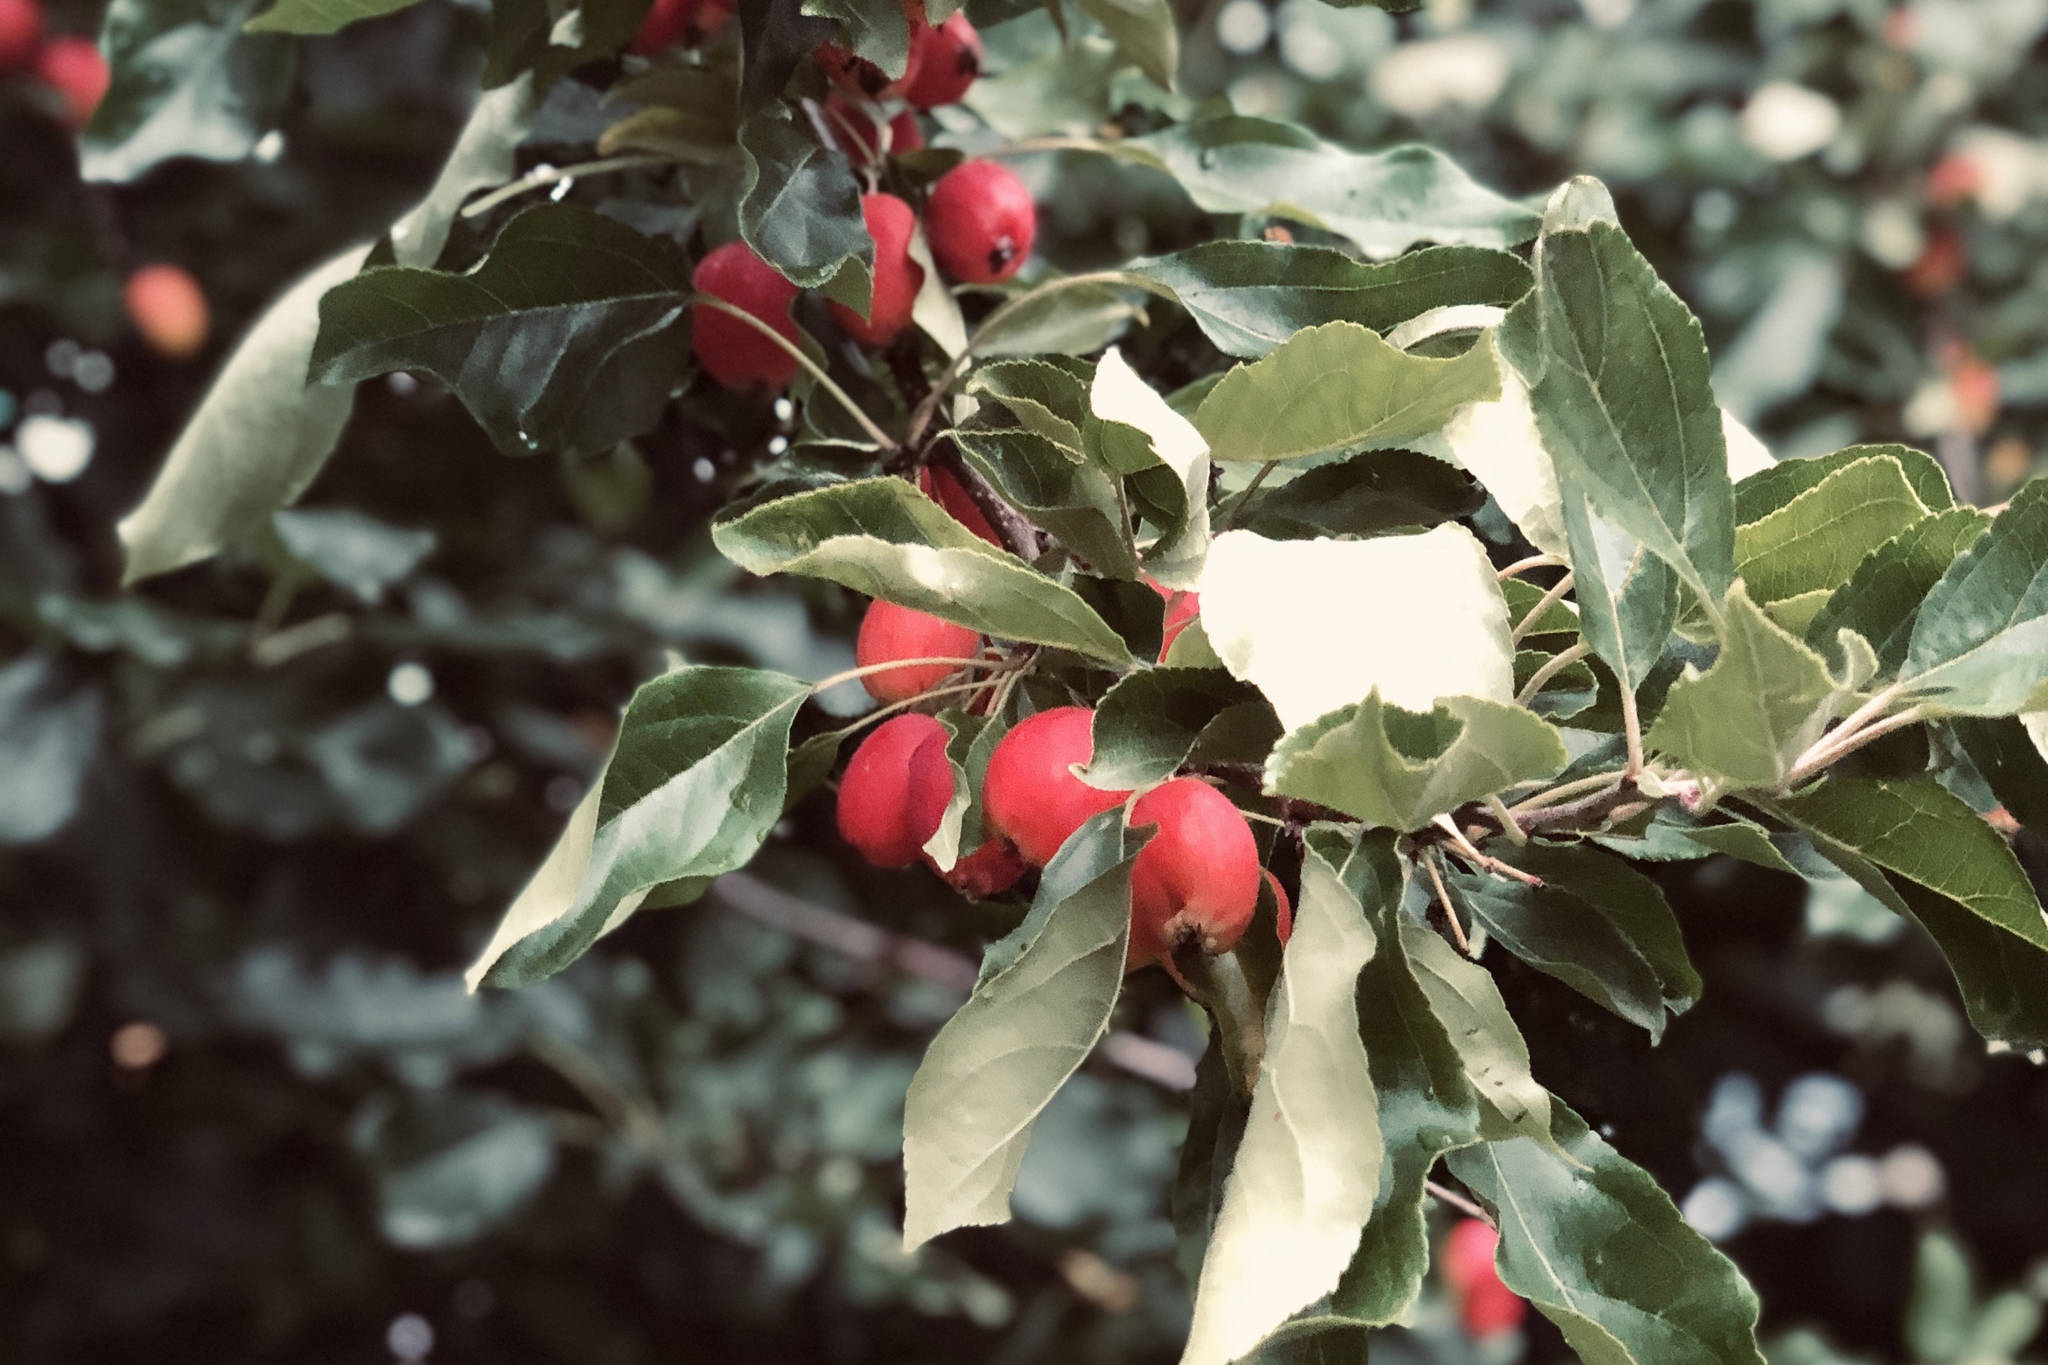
point(1229, 518)
point(1443, 895)
point(554, 175)
point(1522, 566)
point(1220, 984)
point(848, 675)
point(817, 372)
point(1551, 668)
point(1543, 604)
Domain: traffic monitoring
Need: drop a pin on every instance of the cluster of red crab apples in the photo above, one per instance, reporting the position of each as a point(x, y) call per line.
point(1195, 885)
point(978, 218)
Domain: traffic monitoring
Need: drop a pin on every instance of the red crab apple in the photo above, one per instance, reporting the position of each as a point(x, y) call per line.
point(1196, 884)
point(897, 278)
point(738, 355)
point(1283, 910)
point(891, 632)
point(948, 64)
point(21, 33)
point(990, 870)
point(74, 68)
point(689, 22)
point(947, 491)
point(857, 76)
point(168, 309)
point(855, 132)
point(1030, 794)
point(895, 790)
point(981, 221)
point(1485, 1305)
point(1181, 608)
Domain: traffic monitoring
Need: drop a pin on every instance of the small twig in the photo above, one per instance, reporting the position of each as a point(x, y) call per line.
point(1485, 862)
point(1632, 728)
point(285, 645)
point(817, 372)
point(1508, 824)
point(1522, 566)
point(1821, 752)
point(1805, 768)
point(1019, 536)
point(1443, 895)
point(1543, 604)
point(1551, 668)
point(1565, 791)
point(1444, 1195)
point(551, 175)
point(1237, 506)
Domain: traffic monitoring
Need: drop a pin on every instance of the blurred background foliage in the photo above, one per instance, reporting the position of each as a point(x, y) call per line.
point(253, 823)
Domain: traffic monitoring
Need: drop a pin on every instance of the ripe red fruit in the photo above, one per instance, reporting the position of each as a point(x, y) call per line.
point(895, 790)
point(74, 68)
point(1181, 608)
point(1953, 179)
point(1030, 794)
point(1485, 1304)
point(897, 278)
point(981, 221)
point(1941, 265)
point(1197, 881)
point(688, 22)
point(859, 77)
point(1283, 910)
point(21, 33)
point(948, 492)
point(948, 64)
point(988, 871)
point(891, 632)
point(855, 132)
point(168, 308)
point(736, 354)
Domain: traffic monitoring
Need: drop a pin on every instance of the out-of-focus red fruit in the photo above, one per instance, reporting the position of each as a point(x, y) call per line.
point(1283, 910)
point(74, 68)
point(1030, 794)
point(1974, 384)
point(897, 278)
point(1953, 179)
point(948, 492)
point(687, 22)
point(1941, 265)
point(855, 132)
point(859, 77)
point(21, 33)
point(981, 222)
point(1485, 1305)
point(1902, 27)
point(988, 871)
point(168, 309)
point(1197, 882)
point(895, 790)
point(737, 355)
point(890, 632)
point(950, 61)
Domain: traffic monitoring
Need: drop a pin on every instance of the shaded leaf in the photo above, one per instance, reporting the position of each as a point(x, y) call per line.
point(1882, 597)
point(1146, 724)
point(1366, 495)
point(1144, 33)
point(1043, 1002)
point(1814, 542)
point(800, 206)
point(1980, 641)
point(185, 81)
point(319, 17)
point(1490, 1049)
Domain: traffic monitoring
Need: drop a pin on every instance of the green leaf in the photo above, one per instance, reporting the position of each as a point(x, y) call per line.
point(1764, 701)
point(261, 435)
point(1306, 1175)
point(1249, 296)
point(1384, 202)
point(1043, 1002)
point(356, 553)
point(1566, 693)
point(1589, 1239)
point(1063, 89)
point(1944, 866)
point(1628, 598)
point(1980, 641)
point(1075, 502)
point(1216, 1115)
point(1595, 924)
point(321, 17)
point(1265, 612)
point(883, 538)
point(1399, 769)
point(1366, 495)
point(1145, 34)
point(552, 322)
point(1338, 387)
point(1621, 386)
point(1076, 320)
point(1146, 724)
point(1814, 542)
point(185, 81)
point(1882, 598)
point(800, 205)
point(694, 785)
point(1468, 1006)
point(873, 29)
point(2012, 764)
point(1133, 431)
point(1769, 489)
point(1046, 397)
